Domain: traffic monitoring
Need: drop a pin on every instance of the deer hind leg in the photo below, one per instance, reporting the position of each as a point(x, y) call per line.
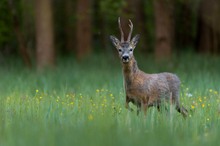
point(179, 108)
point(182, 110)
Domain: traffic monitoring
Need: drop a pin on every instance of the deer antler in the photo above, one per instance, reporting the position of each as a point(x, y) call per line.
point(131, 29)
point(122, 34)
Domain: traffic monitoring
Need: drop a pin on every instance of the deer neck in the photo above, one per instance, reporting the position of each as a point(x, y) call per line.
point(129, 69)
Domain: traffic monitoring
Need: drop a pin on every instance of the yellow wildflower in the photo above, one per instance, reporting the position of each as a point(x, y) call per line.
point(37, 91)
point(203, 105)
point(192, 106)
point(90, 117)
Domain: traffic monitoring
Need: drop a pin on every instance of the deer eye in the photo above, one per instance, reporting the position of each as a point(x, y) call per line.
point(131, 50)
point(119, 50)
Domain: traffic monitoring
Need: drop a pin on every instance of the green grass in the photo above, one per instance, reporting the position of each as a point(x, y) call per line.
point(83, 104)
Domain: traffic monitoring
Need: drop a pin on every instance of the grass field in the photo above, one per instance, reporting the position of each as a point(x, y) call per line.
point(83, 104)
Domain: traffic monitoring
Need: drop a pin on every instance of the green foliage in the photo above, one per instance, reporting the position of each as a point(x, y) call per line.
point(105, 14)
point(186, 19)
point(6, 29)
point(83, 104)
point(150, 23)
point(112, 9)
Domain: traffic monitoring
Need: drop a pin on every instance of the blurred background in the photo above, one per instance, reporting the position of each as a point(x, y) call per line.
point(40, 31)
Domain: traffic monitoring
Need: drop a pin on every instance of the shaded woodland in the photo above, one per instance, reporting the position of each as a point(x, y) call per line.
point(40, 30)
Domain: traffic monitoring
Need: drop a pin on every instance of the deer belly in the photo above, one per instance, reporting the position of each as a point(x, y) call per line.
point(137, 95)
point(151, 96)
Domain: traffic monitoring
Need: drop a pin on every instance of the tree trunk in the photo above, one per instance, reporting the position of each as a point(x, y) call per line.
point(83, 29)
point(45, 53)
point(209, 27)
point(163, 10)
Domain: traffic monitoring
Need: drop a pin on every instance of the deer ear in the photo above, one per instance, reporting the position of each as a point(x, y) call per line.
point(114, 40)
point(135, 39)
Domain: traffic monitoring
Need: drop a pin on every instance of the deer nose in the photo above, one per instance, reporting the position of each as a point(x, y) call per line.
point(125, 57)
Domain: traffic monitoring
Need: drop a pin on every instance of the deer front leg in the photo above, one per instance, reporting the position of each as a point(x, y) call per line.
point(138, 109)
point(145, 104)
point(127, 104)
point(144, 107)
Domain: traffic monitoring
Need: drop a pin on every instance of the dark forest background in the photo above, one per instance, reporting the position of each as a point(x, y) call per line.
point(38, 31)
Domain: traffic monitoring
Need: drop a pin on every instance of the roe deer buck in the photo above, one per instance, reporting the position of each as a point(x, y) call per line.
point(142, 89)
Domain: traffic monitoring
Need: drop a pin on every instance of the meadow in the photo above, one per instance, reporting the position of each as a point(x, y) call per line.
point(82, 103)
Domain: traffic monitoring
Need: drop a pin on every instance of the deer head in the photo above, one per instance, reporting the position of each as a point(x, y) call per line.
point(125, 48)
